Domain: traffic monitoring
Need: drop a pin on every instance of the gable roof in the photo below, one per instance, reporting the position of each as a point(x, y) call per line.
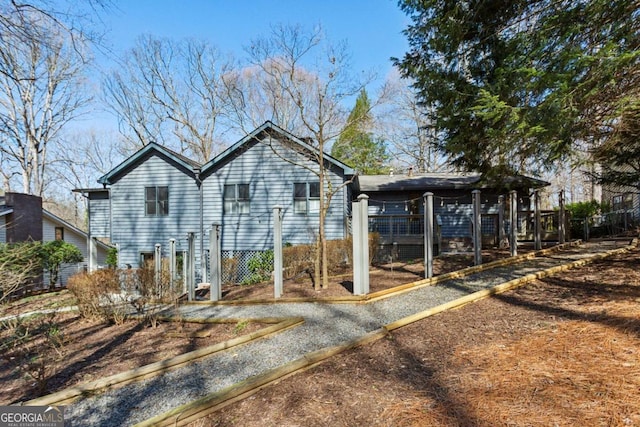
point(59, 221)
point(182, 162)
point(270, 128)
point(440, 181)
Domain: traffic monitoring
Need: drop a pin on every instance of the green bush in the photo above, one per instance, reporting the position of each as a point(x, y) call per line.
point(260, 266)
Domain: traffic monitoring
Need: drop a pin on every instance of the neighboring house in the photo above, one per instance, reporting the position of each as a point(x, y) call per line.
point(156, 195)
point(22, 219)
point(396, 209)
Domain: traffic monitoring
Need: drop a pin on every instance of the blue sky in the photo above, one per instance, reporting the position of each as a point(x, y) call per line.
point(372, 28)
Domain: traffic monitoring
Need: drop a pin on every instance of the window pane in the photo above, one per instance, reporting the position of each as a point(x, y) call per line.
point(314, 205)
point(163, 193)
point(150, 193)
point(243, 192)
point(228, 206)
point(243, 207)
point(163, 207)
point(229, 192)
point(314, 189)
point(299, 191)
point(299, 206)
point(150, 207)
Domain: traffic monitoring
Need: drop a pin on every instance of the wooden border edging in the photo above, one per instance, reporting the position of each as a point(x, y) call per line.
point(210, 403)
point(70, 394)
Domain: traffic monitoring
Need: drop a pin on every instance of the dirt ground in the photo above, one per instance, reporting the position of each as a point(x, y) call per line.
point(91, 350)
point(563, 351)
point(381, 277)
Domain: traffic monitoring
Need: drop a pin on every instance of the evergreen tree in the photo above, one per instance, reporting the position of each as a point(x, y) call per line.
point(356, 145)
point(517, 84)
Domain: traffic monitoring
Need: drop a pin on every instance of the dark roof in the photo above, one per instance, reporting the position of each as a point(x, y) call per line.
point(441, 181)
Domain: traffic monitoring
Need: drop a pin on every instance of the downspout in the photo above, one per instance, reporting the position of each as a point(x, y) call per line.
point(203, 261)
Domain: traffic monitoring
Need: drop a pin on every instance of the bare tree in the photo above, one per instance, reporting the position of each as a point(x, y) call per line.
point(303, 82)
point(40, 92)
point(171, 92)
point(408, 127)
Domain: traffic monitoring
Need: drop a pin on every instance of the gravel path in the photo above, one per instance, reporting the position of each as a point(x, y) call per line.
point(325, 325)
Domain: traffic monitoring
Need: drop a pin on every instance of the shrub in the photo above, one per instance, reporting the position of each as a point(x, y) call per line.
point(260, 267)
point(95, 293)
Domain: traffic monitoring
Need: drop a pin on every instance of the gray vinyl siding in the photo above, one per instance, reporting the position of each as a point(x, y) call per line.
point(133, 230)
point(99, 213)
point(271, 180)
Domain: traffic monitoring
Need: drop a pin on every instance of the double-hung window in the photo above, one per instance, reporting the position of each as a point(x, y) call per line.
point(306, 197)
point(156, 201)
point(236, 199)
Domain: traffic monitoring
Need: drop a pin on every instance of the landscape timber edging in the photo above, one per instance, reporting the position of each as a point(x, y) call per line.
point(212, 402)
point(71, 394)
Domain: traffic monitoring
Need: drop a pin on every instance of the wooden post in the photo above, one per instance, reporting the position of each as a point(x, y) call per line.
point(215, 264)
point(428, 234)
point(513, 220)
point(157, 267)
point(364, 241)
point(277, 251)
point(172, 262)
point(561, 218)
point(355, 242)
point(93, 254)
point(477, 232)
point(190, 271)
point(500, 221)
point(537, 228)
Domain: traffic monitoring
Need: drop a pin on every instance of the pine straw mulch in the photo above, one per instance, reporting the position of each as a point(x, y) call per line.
point(93, 349)
point(561, 351)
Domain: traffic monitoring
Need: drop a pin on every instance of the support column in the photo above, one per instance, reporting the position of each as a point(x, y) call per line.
point(157, 267)
point(172, 262)
point(364, 241)
point(513, 220)
point(561, 218)
point(191, 261)
point(537, 228)
point(360, 231)
point(93, 254)
point(477, 232)
point(277, 251)
point(428, 234)
point(215, 264)
point(500, 221)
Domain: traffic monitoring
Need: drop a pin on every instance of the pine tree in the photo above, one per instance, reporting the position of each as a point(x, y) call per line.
point(356, 145)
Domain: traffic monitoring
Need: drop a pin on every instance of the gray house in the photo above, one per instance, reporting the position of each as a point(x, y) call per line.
point(157, 194)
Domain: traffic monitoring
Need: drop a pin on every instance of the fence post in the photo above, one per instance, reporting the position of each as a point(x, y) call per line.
point(364, 241)
point(356, 229)
point(215, 264)
point(513, 220)
point(190, 271)
point(537, 227)
point(500, 220)
point(477, 232)
point(172, 262)
point(277, 251)
point(428, 234)
point(561, 219)
point(157, 266)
